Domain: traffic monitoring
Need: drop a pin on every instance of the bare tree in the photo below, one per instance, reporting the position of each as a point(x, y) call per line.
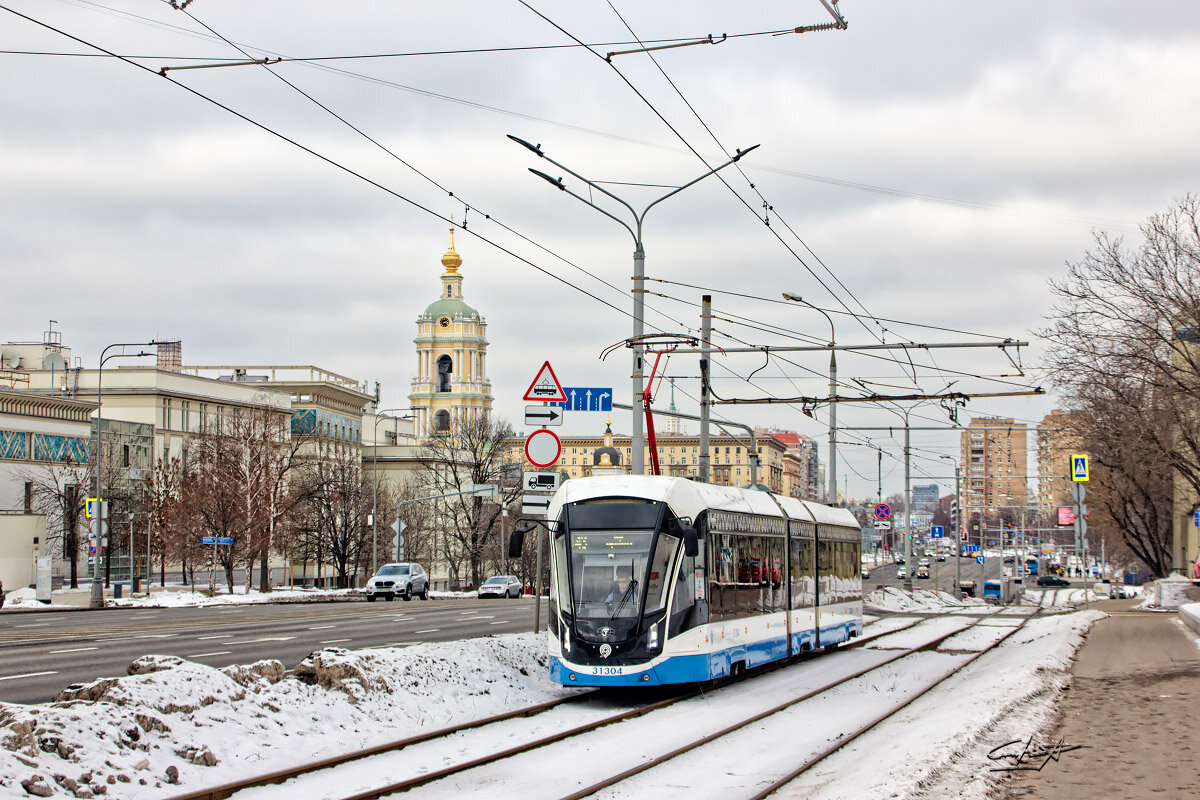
point(60, 492)
point(1123, 351)
point(336, 505)
point(468, 455)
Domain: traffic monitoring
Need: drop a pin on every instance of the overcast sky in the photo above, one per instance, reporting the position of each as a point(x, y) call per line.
point(935, 164)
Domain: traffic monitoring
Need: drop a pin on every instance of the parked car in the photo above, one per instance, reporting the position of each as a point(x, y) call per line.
point(922, 572)
point(398, 580)
point(500, 586)
point(1053, 581)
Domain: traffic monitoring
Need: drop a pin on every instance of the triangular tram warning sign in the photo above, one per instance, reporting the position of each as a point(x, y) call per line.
point(545, 387)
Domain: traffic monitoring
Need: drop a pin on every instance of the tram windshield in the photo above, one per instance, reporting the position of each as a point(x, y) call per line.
point(617, 573)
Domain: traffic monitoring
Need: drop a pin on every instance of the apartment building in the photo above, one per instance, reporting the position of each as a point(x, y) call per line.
point(995, 471)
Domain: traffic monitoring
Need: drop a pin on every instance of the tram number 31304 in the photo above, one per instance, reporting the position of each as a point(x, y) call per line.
point(607, 671)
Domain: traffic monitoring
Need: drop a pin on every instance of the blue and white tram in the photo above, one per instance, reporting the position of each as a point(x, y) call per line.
point(660, 580)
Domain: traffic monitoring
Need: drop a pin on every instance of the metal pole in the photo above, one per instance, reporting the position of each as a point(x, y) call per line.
point(537, 587)
point(97, 596)
point(130, 552)
point(908, 564)
point(149, 573)
point(637, 438)
point(705, 399)
point(954, 530)
point(833, 498)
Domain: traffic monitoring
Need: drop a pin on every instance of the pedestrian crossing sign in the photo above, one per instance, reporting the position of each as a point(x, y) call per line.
point(1079, 468)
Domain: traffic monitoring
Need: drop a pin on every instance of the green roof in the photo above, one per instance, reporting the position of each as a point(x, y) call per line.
point(450, 307)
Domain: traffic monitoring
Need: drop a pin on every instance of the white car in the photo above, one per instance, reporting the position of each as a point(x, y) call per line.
point(500, 586)
point(901, 572)
point(398, 580)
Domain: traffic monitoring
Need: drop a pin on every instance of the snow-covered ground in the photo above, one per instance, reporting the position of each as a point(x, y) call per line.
point(172, 720)
point(178, 596)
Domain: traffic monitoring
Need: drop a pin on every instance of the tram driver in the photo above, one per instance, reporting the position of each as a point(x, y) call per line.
point(623, 589)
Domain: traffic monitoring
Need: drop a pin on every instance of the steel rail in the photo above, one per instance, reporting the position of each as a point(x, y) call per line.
point(279, 776)
point(812, 762)
point(629, 773)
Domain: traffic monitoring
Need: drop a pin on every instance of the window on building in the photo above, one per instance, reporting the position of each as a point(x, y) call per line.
point(445, 366)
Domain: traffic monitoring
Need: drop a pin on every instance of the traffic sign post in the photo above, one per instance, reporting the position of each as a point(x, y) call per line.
point(545, 386)
point(540, 481)
point(535, 505)
point(542, 416)
point(586, 398)
point(542, 448)
point(1079, 467)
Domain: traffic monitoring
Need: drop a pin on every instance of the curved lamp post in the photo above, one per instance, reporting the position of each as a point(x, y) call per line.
point(795, 298)
point(637, 439)
point(379, 416)
point(97, 597)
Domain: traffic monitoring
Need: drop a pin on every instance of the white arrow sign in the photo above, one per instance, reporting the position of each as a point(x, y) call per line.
point(542, 416)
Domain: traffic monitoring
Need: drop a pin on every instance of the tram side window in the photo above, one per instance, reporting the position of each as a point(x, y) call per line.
point(687, 611)
point(746, 575)
point(826, 570)
point(802, 577)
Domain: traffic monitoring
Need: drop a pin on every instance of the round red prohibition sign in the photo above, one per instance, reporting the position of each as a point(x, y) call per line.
point(883, 511)
point(542, 448)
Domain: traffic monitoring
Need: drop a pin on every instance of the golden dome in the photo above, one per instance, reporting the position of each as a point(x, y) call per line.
point(452, 260)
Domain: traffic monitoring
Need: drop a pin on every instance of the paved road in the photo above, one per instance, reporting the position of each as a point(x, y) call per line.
point(41, 653)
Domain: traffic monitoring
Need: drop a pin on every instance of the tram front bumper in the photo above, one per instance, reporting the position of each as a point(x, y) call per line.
point(675, 669)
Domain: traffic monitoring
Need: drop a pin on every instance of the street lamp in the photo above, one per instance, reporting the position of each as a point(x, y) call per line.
point(97, 596)
point(832, 395)
point(954, 537)
point(636, 439)
point(379, 416)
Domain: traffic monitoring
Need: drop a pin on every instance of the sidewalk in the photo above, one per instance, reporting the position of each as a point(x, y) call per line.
point(1132, 705)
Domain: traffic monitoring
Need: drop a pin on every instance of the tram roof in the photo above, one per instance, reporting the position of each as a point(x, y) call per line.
point(689, 498)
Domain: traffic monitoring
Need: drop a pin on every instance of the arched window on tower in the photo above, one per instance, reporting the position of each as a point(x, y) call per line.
point(441, 421)
point(445, 366)
point(449, 290)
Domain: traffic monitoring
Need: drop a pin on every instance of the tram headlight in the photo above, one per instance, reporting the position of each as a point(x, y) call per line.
point(566, 638)
point(652, 640)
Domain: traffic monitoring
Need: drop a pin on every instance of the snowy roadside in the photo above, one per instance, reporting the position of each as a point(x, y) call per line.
point(180, 597)
point(171, 721)
point(173, 725)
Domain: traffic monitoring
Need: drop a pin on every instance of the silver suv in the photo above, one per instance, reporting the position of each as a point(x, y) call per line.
point(398, 580)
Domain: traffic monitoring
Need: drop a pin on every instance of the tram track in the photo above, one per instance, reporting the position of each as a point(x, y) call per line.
point(491, 755)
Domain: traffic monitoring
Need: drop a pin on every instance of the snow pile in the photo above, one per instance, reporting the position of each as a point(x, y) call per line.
point(179, 599)
point(23, 597)
point(888, 598)
point(171, 721)
point(1189, 614)
point(1167, 594)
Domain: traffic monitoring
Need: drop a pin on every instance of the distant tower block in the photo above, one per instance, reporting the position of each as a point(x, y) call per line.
point(170, 356)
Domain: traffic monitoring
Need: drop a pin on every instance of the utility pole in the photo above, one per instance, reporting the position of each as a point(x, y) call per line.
point(956, 538)
point(705, 399)
point(908, 564)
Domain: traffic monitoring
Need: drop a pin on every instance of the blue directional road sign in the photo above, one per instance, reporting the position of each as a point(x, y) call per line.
point(216, 540)
point(937, 531)
point(582, 398)
point(979, 558)
point(1196, 518)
